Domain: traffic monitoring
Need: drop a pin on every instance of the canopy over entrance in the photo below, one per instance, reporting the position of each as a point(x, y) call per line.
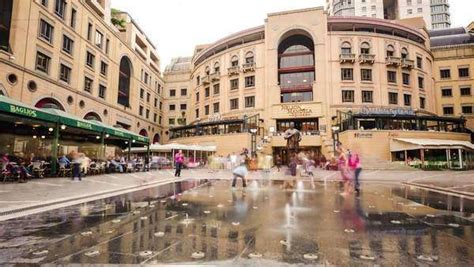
point(402, 144)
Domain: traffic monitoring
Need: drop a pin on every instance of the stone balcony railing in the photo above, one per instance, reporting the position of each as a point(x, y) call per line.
point(234, 70)
point(216, 76)
point(408, 63)
point(248, 67)
point(347, 58)
point(367, 58)
point(205, 79)
point(393, 61)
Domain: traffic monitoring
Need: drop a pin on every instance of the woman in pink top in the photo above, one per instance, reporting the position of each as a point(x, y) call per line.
point(354, 164)
point(178, 161)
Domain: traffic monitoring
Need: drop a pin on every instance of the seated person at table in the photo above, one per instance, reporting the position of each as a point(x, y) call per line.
point(64, 161)
point(116, 165)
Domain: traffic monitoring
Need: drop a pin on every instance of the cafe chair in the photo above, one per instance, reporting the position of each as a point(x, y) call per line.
point(64, 170)
point(94, 168)
point(7, 175)
point(129, 167)
point(38, 170)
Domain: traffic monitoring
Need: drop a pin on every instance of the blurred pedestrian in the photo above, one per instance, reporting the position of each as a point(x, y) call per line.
point(178, 161)
point(240, 172)
point(278, 162)
point(356, 167)
point(76, 165)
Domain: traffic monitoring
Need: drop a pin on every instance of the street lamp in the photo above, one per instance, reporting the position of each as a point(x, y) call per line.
point(335, 137)
point(254, 140)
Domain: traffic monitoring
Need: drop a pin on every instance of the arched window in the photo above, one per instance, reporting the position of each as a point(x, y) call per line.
point(208, 70)
point(92, 116)
point(234, 61)
point(365, 48)
point(156, 139)
point(249, 58)
point(217, 67)
point(296, 68)
point(49, 103)
point(390, 51)
point(404, 53)
point(124, 81)
point(346, 48)
point(143, 132)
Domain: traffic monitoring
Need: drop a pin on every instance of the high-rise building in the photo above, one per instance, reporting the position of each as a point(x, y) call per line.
point(435, 12)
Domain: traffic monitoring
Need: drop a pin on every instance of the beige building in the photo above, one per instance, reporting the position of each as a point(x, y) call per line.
point(453, 51)
point(69, 55)
point(317, 72)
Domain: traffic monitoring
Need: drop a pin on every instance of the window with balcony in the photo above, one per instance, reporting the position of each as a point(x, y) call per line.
point(404, 53)
point(234, 103)
point(406, 78)
point(347, 74)
point(60, 8)
point(463, 72)
point(68, 45)
point(234, 62)
point(172, 92)
point(448, 110)
point(216, 89)
point(446, 92)
point(46, 31)
point(207, 70)
point(215, 107)
point(465, 91)
point(366, 75)
point(365, 48)
point(367, 96)
point(393, 98)
point(407, 100)
point(217, 67)
point(64, 73)
point(445, 73)
point(234, 84)
point(347, 96)
point(390, 52)
point(249, 81)
point(42, 62)
point(250, 101)
point(346, 48)
point(391, 76)
point(296, 66)
point(88, 84)
point(249, 58)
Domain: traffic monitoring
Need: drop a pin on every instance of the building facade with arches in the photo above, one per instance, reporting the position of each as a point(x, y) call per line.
point(319, 73)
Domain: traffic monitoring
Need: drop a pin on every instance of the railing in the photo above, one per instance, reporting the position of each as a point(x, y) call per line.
point(205, 80)
point(248, 67)
point(233, 70)
point(396, 61)
point(347, 57)
point(408, 63)
point(367, 58)
point(216, 76)
point(314, 133)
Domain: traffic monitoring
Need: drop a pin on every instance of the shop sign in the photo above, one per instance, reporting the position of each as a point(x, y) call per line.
point(387, 111)
point(363, 135)
point(23, 111)
point(84, 125)
point(141, 138)
point(119, 133)
point(297, 110)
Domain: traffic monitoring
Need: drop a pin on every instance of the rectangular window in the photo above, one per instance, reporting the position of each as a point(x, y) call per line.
point(46, 31)
point(42, 62)
point(422, 102)
point(406, 78)
point(467, 110)
point(419, 10)
point(159, 120)
point(147, 114)
point(89, 31)
point(107, 46)
point(249, 81)
point(60, 8)
point(197, 113)
point(103, 68)
point(445, 74)
point(234, 103)
point(198, 80)
point(155, 103)
point(447, 92)
point(419, 62)
point(250, 101)
point(148, 96)
point(68, 45)
point(366, 74)
point(391, 76)
point(207, 92)
point(197, 97)
point(348, 96)
point(171, 121)
point(64, 73)
point(393, 98)
point(88, 83)
point(183, 107)
point(367, 96)
point(421, 82)
point(407, 100)
point(44, 3)
point(465, 91)
point(155, 117)
point(90, 59)
point(216, 107)
point(216, 89)
point(102, 91)
point(142, 93)
point(448, 110)
point(140, 111)
point(172, 107)
point(206, 110)
point(161, 105)
point(73, 18)
point(184, 92)
point(99, 39)
point(347, 74)
point(463, 72)
point(234, 84)
point(172, 92)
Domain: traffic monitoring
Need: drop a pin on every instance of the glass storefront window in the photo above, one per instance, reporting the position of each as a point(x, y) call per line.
point(296, 97)
point(308, 126)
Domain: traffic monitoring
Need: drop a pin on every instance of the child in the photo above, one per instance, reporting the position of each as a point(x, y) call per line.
point(241, 171)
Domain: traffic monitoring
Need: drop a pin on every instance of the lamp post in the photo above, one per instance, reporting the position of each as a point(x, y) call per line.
point(253, 131)
point(335, 137)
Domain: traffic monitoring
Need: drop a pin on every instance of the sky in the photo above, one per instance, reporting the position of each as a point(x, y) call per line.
point(176, 26)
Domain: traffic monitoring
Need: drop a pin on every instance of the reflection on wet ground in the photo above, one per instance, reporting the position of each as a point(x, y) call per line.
point(209, 223)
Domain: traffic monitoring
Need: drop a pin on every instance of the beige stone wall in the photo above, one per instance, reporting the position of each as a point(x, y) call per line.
point(376, 144)
point(226, 144)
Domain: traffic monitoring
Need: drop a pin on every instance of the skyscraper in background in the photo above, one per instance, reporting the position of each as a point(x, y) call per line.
point(435, 12)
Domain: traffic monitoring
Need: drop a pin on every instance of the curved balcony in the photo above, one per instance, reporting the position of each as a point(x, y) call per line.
point(367, 58)
point(248, 67)
point(408, 63)
point(216, 76)
point(235, 70)
point(393, 61)
point(347, 58)
point(205, 80)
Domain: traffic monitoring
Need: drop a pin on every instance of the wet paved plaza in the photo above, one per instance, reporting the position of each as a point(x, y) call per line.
point(262, 225)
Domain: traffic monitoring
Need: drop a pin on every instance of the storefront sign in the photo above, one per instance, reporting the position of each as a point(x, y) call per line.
point(363, 135)
point(297, 110)
point(23, 111)
point(119, 133)
point(387, 111)
point(84, 125)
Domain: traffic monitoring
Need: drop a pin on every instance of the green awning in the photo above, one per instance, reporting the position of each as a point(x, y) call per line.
point(17, 108)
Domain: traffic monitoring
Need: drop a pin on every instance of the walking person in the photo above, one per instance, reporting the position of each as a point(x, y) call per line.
point(240, 172)
point(356, 167)
point(278, 162)
point(76, 165)
point(178, 161)
point(342, 165)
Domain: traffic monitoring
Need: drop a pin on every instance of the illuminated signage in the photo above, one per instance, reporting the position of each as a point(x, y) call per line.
point(23, 111)
point(297, 110)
